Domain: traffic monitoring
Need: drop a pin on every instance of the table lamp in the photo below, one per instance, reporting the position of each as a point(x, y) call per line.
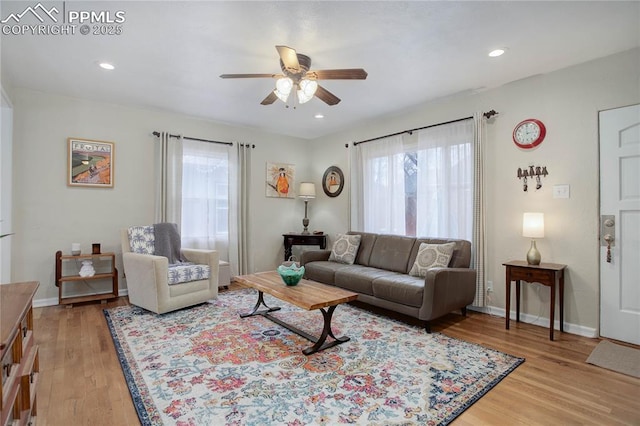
point(307, 192)
point(533, 227)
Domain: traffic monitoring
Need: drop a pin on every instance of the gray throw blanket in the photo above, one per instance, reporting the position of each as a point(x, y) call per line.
point(167, 242)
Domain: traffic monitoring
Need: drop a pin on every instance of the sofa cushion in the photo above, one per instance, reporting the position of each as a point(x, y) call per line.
point(359, 278)
point(345, 249)
point(391, 252)
point(431, 256)
point(322, 271)
point(142, 239)
point(400, 288)
point(186, 272)
point(367, 240)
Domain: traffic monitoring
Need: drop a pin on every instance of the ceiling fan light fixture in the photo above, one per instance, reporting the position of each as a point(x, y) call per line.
point(283, 88)
point(307, 88)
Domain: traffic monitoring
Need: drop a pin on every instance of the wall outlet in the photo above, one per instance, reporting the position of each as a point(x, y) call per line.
point(489, 286)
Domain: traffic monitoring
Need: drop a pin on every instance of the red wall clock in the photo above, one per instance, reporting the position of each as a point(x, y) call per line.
point(529, 133)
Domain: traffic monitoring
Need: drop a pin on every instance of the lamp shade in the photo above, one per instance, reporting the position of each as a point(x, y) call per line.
point(283, 88)
point(307, 190)
point(533, 225)
point(307, 90)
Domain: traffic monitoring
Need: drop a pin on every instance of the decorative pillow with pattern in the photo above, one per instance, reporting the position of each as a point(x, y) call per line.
point(432, 256)
point(142, 239)
point(345, 249)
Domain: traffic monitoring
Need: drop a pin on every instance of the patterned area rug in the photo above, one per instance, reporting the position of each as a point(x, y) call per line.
point(206, 366)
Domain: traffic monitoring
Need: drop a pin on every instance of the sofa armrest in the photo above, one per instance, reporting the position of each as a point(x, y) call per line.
point(147, 276)
point(201, 257)
point(447, 289)
point(314, 256)
point(205, 257)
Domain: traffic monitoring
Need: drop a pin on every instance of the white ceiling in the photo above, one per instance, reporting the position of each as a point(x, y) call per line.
point(170, 53)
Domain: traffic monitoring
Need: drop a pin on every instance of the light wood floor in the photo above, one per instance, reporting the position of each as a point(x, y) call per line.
point(81, 382)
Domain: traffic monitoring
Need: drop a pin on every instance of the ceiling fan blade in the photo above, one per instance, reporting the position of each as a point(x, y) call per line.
point(326, 96)
point(289, 58)
point(271, 98)
point(250, 76)
point(343, 74)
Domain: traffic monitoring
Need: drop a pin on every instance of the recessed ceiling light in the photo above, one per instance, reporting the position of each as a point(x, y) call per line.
point(496, 53)
point(318, 116)
point(106, 66)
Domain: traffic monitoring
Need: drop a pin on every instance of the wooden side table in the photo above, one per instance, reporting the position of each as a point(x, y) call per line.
point(291, 240)
point(549, 274)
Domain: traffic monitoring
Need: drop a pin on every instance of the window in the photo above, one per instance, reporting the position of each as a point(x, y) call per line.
point(418, 185)
point(205, 195)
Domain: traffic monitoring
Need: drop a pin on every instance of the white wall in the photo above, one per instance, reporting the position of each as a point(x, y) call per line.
point(6, 142)
point(567, 101)
point(49, 215)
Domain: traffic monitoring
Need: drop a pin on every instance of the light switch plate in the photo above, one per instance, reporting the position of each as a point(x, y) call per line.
point(561, 191)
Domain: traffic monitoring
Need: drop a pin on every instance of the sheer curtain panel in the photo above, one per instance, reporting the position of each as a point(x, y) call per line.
point(205, 196)
point(379, 171)
point(444, 201)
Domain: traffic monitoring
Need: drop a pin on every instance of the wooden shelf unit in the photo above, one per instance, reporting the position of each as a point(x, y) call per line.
point(61, 279)
point(18, 355)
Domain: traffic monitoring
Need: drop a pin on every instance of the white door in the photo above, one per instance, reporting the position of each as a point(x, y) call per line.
point(620, 219)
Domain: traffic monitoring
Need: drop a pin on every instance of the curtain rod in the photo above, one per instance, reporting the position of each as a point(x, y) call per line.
point(486, 115)
point(194, 139)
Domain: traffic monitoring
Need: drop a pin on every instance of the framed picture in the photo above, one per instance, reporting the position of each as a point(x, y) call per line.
point(280, 180)
point(333, 181)
point(90, 163)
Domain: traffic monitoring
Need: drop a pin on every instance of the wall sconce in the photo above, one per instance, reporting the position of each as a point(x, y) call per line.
point(533, 171)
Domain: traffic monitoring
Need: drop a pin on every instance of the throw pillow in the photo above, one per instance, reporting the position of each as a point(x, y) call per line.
point(431, 256)
point(142, 239)
point(345, 249)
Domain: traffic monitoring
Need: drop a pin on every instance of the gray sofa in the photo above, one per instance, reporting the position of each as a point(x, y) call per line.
point(380, 276)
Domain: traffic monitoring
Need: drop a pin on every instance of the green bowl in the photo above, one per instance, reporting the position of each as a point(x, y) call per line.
point(290, 276)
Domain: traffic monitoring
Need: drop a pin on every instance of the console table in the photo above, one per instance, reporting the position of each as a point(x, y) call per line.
point(291, 240)
point(549, 274)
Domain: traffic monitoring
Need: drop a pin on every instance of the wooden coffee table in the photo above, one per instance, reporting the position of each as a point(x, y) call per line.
point(307, 295)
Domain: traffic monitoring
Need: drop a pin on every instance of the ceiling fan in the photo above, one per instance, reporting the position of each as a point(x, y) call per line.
point(296, 75)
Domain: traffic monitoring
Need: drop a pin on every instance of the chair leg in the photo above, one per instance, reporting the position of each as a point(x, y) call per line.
point(464, 311)
point(427, 327)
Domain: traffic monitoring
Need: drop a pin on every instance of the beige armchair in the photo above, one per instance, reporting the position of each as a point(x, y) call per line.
point(148, 279)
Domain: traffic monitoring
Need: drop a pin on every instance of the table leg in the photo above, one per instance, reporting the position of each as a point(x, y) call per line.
point(256, 308)
point(288, 244)
point(326, 331)
point(508, 304)
point(552, 310)
point(518, 300)
point(561, 289)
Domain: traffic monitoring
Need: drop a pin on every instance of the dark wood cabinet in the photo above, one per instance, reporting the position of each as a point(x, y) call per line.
point(291, 240)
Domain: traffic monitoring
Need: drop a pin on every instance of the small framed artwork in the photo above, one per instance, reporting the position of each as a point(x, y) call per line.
point(333, 181)
point(280, 180)
point(90, 163)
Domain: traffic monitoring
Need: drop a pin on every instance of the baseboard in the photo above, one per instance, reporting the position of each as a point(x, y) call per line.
point(53, 301)
point(579, 330)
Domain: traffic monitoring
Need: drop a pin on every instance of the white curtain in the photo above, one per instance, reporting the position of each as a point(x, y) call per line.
point(479, 242)
point(379, 192)
point(205, 196)
point(168, 191)
point(444, 201)
point(240, 182)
